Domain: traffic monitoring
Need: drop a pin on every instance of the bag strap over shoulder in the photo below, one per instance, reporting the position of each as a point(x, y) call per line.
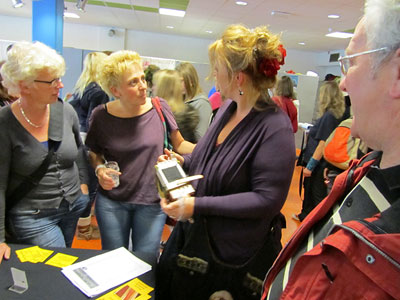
point(32, 180)
point(157, 105)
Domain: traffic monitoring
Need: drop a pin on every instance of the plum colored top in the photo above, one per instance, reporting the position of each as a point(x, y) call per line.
point(246, 178)
point(135, 143)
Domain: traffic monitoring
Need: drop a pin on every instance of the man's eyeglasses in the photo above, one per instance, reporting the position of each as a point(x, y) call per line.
point(345, 60)
point(54, 83)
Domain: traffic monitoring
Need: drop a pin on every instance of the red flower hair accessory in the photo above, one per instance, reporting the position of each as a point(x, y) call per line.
point(270, 66)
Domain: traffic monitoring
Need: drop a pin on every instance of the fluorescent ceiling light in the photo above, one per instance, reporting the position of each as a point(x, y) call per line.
point(170, 27)
point(17, 3)
point(242, 3)
point(302, 43)
point(340, 35)
point(209, 31)
point(171, 12)
point(71, 15)
point(333, 16)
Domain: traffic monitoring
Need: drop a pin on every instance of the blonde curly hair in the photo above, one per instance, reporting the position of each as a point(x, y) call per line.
point(113, 67)
point(243, 50)
point(25, 60)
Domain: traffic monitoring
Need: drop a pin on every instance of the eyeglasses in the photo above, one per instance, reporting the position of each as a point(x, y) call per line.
point(53, 83)
point(345, 60)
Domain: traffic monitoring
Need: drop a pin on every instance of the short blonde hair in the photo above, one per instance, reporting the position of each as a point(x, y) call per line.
point(168, 86)
point(90, 71)
point(190, 79)
point(243, 50)
point(113, 68)
point(331, 99)
point(25, 60)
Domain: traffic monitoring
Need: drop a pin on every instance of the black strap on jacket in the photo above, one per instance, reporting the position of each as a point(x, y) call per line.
point(32, 180)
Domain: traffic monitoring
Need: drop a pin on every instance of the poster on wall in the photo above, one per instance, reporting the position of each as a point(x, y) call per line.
point(295, 79)
point(162, 63)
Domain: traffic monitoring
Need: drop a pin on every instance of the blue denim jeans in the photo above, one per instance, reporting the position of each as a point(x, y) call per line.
point(53, 227)
point(117, 219)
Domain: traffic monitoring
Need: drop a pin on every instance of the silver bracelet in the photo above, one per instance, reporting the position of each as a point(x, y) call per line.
point(99, 167)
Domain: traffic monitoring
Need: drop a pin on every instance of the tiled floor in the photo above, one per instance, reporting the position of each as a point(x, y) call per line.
point(292, 206)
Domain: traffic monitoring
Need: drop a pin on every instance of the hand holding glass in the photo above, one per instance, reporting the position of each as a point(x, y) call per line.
point(114, 166)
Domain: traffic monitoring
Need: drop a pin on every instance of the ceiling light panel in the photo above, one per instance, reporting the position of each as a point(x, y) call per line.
point(17, 3)
point(340, 35)
point(172, 12)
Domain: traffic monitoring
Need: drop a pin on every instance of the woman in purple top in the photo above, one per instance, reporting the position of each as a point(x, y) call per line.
point(247, 158)
point(129, 131)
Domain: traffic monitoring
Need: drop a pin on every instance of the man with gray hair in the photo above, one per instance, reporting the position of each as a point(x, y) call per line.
point(348, 246)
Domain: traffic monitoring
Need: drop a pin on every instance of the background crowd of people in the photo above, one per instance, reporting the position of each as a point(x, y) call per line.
point(56, 155)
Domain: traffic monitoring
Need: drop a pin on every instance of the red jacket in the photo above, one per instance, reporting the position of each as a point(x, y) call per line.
point(287, 105)
point(363, 264)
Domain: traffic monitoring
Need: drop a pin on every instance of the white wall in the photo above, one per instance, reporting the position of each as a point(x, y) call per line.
point(93, 37)
point(168, 46)
point(15, 29)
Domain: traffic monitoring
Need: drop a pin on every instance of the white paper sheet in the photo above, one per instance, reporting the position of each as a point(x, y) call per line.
point(102, 272)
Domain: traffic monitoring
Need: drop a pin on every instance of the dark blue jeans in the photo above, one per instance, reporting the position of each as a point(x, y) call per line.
point(53, 227)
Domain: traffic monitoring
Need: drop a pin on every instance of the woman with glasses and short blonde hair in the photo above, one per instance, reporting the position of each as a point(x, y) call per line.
point(39, 131)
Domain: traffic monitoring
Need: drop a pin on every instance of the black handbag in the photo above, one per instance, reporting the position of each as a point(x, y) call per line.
point(190, 269)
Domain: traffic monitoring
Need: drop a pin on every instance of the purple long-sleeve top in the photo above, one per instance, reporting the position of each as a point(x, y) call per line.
point(246, 179)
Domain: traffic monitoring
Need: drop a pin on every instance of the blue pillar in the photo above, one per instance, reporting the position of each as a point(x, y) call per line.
point(48, 23)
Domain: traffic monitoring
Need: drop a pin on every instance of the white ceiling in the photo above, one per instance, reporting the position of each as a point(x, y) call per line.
point(306, 22)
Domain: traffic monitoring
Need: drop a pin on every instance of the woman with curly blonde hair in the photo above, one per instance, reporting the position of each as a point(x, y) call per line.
point(247, 159)
point(332, 110)
point(129, 131)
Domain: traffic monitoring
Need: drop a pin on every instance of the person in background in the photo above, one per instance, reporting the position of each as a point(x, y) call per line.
point(194, 96)
point(36, 127)
point(149, 73)
point(247, 158)
point(348, 247)
point(332, 112)
point(167, 85)
point(129, 131)
point(87, 92)
point(5, 98)
point(87, 96)
point(330, 77)
point(284, 96)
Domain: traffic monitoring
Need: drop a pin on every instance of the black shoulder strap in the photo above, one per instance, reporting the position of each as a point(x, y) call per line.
point(368, 157)
point(32, 180)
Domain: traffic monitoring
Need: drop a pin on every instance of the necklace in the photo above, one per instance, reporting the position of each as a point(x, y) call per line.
point(26, 118)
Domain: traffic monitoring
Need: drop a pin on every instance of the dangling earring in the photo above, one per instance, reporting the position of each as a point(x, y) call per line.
point(240, 92)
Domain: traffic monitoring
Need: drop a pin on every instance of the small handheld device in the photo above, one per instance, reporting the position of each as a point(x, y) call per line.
point(172, 181)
